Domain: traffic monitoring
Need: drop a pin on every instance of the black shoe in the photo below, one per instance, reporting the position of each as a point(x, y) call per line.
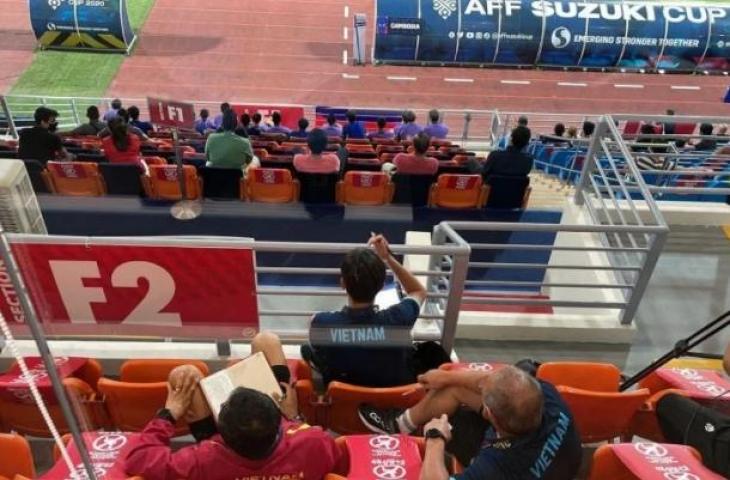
point(380, 420)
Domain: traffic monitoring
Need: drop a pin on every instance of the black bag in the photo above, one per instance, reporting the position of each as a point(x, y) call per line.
point(428, 356)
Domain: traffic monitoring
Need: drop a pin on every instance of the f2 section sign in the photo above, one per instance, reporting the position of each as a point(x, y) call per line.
point(82, 24)
point(562, 33)
point(102, 289)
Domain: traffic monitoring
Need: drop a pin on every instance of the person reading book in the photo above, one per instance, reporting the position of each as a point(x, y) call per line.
point(255, 436)
point(362, 344)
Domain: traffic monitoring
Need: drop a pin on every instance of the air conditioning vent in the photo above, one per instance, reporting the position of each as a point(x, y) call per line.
point(19, 209)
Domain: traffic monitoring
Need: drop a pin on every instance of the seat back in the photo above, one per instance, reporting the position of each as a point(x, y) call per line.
point(15, 456)
point(122, 179)
point(271, 185)
point(344, 400)
point(606, 465)
point(155, 370)
point(35, 172)
point(162, 182)
point(597, 377)
point(365, 188)
point(221, 183)
point(507, 192)
point(79, 179)
point(412, 189)
point(458, 191)
point(601, 416)
point(318, 188)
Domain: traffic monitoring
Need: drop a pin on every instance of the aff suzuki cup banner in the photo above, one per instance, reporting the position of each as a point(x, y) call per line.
point(594, 34)
point(99, 25)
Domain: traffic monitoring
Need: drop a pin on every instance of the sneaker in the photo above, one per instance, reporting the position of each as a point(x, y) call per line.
point(380, 420)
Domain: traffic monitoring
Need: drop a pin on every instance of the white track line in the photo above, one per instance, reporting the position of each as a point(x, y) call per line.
point(515, 82)
point(459, 80)
point(401, 79)
point(349, 76)
point(572, 84)
point(344, 57)
point(344, 32)
point(347, 11)
point(685, 87)
point(628, 85)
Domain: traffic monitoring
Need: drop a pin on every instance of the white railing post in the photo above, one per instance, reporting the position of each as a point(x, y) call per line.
point(12, 131)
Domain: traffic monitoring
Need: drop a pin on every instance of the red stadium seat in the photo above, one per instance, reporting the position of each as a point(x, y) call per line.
point(645, 423)
point(15, 457)
point(458, 191)
point(162, 182)
point(598, 377)
point(80, 179)
point(271, 185)
point(148, 371)
point(365, 188)
point(607, 465)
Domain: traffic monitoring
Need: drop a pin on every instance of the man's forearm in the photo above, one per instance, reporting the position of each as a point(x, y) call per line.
point(409, 282)
point(433, 467)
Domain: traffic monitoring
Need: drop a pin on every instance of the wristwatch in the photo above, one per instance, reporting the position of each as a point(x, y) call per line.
point(166, 414)
point(434, 433)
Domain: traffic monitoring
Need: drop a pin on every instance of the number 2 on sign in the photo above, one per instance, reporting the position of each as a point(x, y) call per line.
point(77, 298)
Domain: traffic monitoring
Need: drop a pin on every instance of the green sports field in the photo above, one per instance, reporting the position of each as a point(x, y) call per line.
point(83, 74)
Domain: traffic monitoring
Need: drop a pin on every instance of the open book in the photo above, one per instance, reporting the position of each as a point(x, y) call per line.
point(253, 372)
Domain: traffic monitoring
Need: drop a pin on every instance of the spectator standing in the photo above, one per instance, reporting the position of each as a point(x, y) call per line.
point(417, 163)
point(278, 127)
point(409, 128)
point(112, 112)
point(436, 129)
point(302, 132)
point(332, 129)
point(218, 120)
point(134, 120)
point(353, 129)
point(381, 132)
point(706, 144)
point(226, 149)
point(506, 425)
point(94, 125)
point(204, 125)
point(121, 146)
point(513, 161)
point(317, 161)
point(40, 142)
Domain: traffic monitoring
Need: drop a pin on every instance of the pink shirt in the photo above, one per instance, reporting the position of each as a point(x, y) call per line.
point(412, 165)
point(325, 163)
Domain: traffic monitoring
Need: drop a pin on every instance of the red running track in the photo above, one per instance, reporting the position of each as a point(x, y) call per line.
point(16, 41)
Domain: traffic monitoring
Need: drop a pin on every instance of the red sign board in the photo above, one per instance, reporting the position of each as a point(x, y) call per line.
point(171, 114)
point(14, 384)
point(392, 457)
point(107, 451)
point(137, 290)
point(289, 115)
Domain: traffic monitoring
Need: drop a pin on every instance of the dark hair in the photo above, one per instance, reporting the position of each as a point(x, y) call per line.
point(245, 119)
point(434, 115)
point(256, 117)
point(123, 114)
point(225, 106)
point(647, 129)
point(303, 124)
point(250, 423)
point(317, 140)
point(229, 121)
point(363, 274)
point(116, 104)
point(276, 118)
point(522, 121)
point(588, 128)
point(421, 143)
point(680, 143)
point(404, 116)
point(133, 112)
point(44, 114)
point(92, 113)
point(351, 116)
point(411, 116)
point(706, 129)
point(670, 111)
point(204, 113)
point(382, 123)
point(120, 134)
point(559, 129)
point(331, 119)
point(521, 137)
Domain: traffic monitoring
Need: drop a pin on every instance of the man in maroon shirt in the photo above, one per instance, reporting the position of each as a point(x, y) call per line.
point(417, 163)
point(254, 439)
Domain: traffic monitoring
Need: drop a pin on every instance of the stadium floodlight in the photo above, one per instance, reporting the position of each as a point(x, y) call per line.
point(641, 70)
point(724, 73)
point(661, 71)
point(623, 70)
point(706, 72)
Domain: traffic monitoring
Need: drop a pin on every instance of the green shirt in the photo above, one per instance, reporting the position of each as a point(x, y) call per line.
point(228, 150)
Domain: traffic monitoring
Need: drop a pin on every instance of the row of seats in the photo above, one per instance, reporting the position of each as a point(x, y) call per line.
point(279, 186)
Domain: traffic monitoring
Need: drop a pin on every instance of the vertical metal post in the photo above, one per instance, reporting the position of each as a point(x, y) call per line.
point(184, 209)
point(650, 261)
point(12, 131)
point(591, 157)
point(459, 268)
point(465, 132)
point(178, 162)
point(438, 237)
point(45, 352)
point(75, 112)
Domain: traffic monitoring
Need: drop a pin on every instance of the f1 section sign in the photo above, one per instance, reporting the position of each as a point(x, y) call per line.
point(200, 290)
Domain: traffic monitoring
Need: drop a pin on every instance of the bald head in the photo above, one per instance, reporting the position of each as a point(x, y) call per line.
point(514, 399)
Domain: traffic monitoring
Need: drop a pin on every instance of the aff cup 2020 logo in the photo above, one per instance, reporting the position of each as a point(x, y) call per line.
point(445, 8)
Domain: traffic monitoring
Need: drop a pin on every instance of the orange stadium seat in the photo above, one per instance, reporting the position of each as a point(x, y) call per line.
point(606, 465)
point(645, 423)
point(599, 377)
point(131, 404)
point(15, 457)
point(154, 160)
point(162, 182)
point(365, 188)
point(79, 179)
point(458, 191)
point(270, 185)
point(261, 153)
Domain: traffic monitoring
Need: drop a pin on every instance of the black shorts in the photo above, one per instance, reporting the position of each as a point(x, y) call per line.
point(467, 434)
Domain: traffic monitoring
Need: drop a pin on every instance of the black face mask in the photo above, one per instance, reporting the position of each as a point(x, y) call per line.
point(52, 127)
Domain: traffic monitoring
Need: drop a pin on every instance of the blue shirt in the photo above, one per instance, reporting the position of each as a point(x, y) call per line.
point(553, 452)
point(279, 129)
point(382, 134)
point(353, 130)
point(299, 134)
point(333, 130)
point(408, 130)
point(202, 125)
point(146, 127)
point(436, 130)
point(357, 363)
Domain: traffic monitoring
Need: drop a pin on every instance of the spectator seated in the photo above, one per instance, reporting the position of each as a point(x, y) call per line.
point(37, 178)
point(221, 183)
point(365, 188)
point(318, 188)
point(458, 191)
point(270, 185)
point(412, 189)
point(75, 179)
point(122, 179)
point(508, 192)
point(162, 182)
